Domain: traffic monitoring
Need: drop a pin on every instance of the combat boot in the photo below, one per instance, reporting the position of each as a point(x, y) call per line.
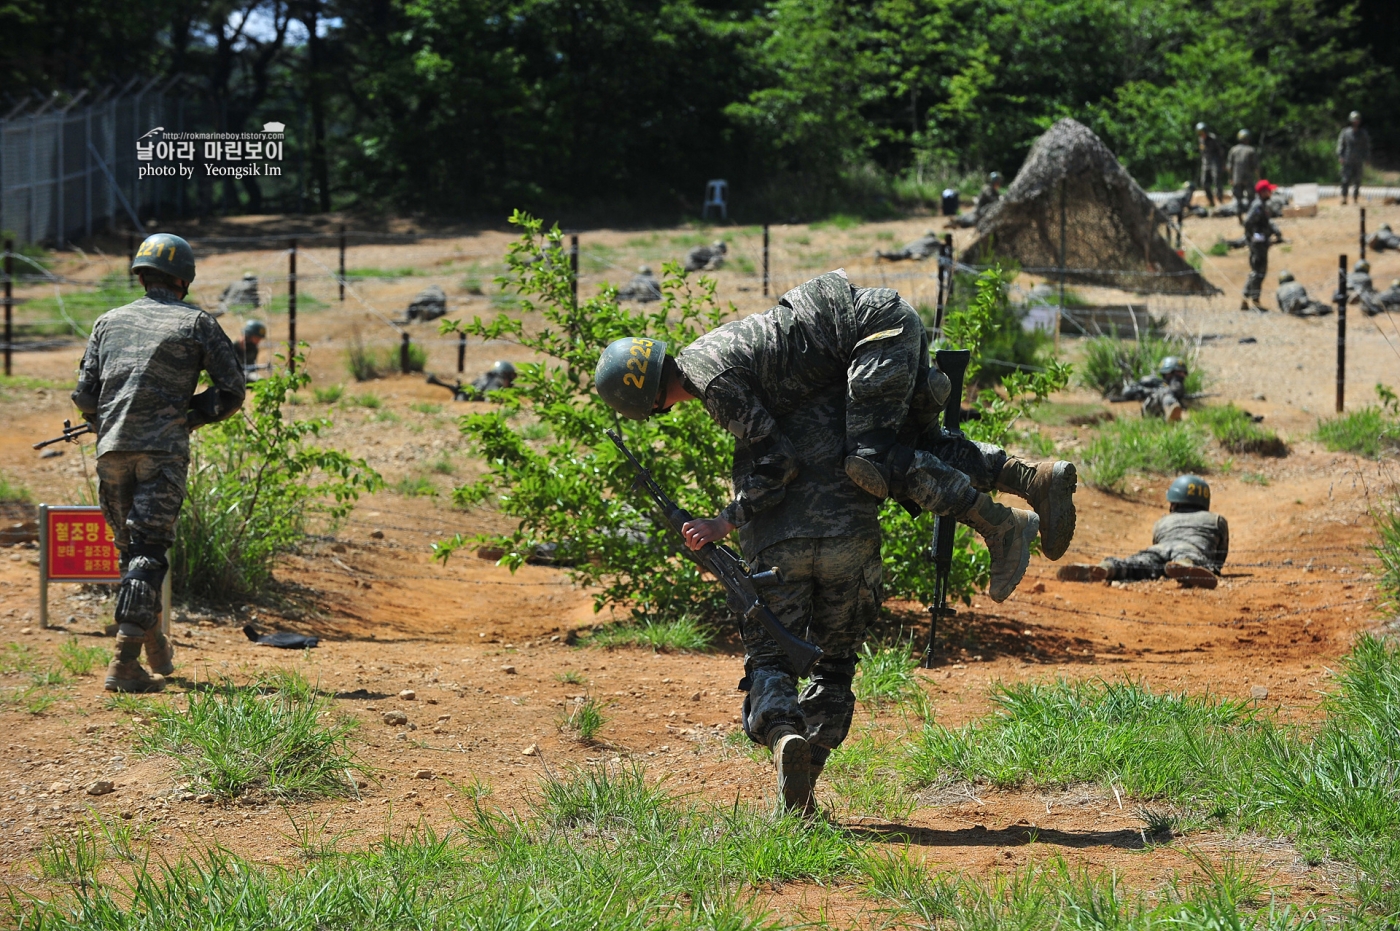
point(125, 673)
point(160, 652)
point(1190, 575)
point(1008, 533)
point(792, 758)
point(1049, 488)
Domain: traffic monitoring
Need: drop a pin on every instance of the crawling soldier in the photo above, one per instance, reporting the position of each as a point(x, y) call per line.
point(1190, 544)
point(137, 387)
point(1162, 395)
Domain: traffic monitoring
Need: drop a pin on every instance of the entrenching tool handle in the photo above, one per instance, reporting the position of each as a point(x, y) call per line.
point(725, 565)
point(953, 363)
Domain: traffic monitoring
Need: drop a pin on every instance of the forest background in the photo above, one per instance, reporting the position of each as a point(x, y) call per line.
point(620, 111)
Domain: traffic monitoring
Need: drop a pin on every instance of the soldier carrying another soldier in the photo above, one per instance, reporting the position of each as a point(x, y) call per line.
point(136, 385)
point(1190, 544)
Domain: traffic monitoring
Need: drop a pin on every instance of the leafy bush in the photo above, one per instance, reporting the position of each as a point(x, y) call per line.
point(1238, 433)
point(1372, 431)
point(255, 482)
point(1141, 444)
point(1110, 361)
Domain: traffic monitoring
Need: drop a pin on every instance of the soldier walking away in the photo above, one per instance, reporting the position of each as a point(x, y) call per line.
point(1259, 231)
point(706, 258)
point(136, 385)
point(1293, 298)
point(1162, 395)
point(1361, 291)
point(240, 294)
point(1190, 544)
point(920, 249)
point(643, 288)
point(1353, 151)
point(1242, 164)
point(1212, 163)
point(990, 194)
point(428, 304)
point(870, 342)
point(246, 349)
point(1383, 239)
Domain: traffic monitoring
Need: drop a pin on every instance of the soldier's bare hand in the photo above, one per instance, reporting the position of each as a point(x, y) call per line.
point(705, 530)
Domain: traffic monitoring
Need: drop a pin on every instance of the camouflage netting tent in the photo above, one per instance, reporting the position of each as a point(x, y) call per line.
point(1111, 237)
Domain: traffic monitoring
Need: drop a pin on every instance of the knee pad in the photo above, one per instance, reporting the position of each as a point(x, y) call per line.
point(138, 598)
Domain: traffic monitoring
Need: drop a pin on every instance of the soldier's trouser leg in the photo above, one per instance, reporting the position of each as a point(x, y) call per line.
point(1242, 195)
point(1162, 403)
point(1210, 182)
point(1148, 564)
point(1258, 268)
point(831, 592)
point(141, 494)
point(1351, 177)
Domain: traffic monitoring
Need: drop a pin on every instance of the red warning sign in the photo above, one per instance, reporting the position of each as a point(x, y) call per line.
point(80, 546)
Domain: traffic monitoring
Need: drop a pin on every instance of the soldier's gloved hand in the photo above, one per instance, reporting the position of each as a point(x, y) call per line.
point(704, 530)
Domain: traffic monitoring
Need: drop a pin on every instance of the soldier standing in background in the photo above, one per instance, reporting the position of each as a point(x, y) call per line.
point(1353, 149)
point(1212, 163)
point(137, 387)
point(1243, 166)
point(1259, 231)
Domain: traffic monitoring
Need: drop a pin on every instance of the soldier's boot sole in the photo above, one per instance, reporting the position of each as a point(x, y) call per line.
point(1049, 488)
point(131, 677)
point(1008, 533)
point(160, 652)
point(1191, 576)
point(1175, 414)
point(792, 758)
point(868, 475)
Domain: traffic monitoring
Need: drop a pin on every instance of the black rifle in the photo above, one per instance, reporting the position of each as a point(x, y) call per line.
point(724, 564)
point(70, 434)
point(459, 391)
point(953, 363)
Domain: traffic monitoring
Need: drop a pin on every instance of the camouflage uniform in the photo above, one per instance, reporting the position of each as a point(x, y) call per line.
point(1259, 229)
point(643, 288)
point(1202, 537)
point(985, 198)
point(428, 304)
point(1212, 166)
point(1361, 290)
point(1159, 397)
point(241, 293)
point(1353, 149)
point(1390, 297)
point(245, 352)
point(822, 333)
point(1243, 166)
point(920, 249)
point(824, 537)
point(484, 383)
point(1383, 239)
point(706, 258)
point(137, 380)
point(1293, 299)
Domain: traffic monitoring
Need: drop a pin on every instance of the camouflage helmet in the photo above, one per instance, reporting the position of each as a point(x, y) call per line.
point(1171, 365)
point(1285, 276)
point(503, 369)
point(1242, 135)
point(644, 269)
point(1354, 116)
point(629, 375)
point(1361, 266)
point(1200, 127)
point(994, 178)
point(255, 328)
point(1191, 490)
point(164, 252)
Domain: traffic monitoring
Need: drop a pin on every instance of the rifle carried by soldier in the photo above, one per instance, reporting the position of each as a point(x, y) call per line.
point(953, 363)
point(741, 585)
point(460, 392)
point(70, 434)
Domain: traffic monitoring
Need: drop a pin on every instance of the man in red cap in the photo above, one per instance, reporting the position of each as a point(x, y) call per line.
point(1258, 230)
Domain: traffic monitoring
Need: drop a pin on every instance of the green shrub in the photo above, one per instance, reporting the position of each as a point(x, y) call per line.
point(584, 720)
point(369, 399)
point(1238, 433)
point(1109, 362)
point(1141, 444)
point(255, 482)
point(416, 486)
point(366, 363)
point(329, 394)
point(277, 736)
point(9, 491)
point(425, 407)
point(665, 635)
point(1372, 431)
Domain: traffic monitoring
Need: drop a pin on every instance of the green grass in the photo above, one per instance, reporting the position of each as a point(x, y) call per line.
point(584, 720)
point(83, 307)
point(1332, 788)
point(385, 416)
point(16, 657)
point(571, 677)
point(416, 486)
point(1109, 361)
point(403, 271)
point(369, 399)
point(276, 737)
point(864, 774)
point(80, 660)
point(839, 221)
point(277, 303)
point(10, 491)
point(1219, 248)
point(1238, 433)
point(885, 675)
point(1141, 444)
point(1371, 432)
point(443, 465)
point(328, 394)
point(675, 634)
point(1387, 550)
point(366, 363)
point(535, 431)
point(425, 407)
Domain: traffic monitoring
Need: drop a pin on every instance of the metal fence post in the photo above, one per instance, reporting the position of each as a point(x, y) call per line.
point(1363, 234)
point(403, 352)
point(9, 302)
point(292, 306)
point(461, 353)
point(342, 262)
point(765, 260)
point(1341, 332)
point(573, 264)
